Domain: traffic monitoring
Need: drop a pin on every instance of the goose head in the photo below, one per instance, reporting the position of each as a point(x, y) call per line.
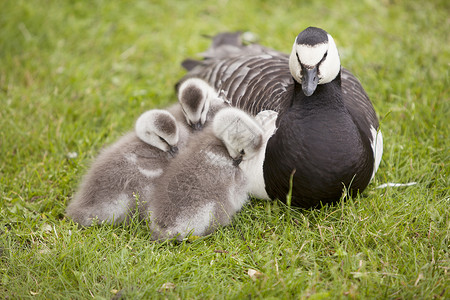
point(314, 59)
point(240, 133)
point(196, 96)
point(158, 128)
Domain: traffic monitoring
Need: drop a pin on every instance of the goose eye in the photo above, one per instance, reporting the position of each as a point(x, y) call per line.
point(242, 152)
point(298, 58)
point(323, 58)
point(163, 140)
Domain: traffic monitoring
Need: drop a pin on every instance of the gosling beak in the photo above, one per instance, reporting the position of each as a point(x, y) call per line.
point(197, 126)
point(173, 150)
point(237, 161)
point(309, 80)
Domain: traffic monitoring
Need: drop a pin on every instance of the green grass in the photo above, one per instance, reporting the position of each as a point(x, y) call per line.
point(74, 76)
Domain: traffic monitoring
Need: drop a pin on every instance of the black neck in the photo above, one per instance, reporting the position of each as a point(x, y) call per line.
point(322, 94)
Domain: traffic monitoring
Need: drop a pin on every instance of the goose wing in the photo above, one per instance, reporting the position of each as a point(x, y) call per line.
point(357, 103)
point(363, 114)
point(251, 81)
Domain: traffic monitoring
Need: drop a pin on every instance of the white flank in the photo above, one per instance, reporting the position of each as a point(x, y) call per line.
point(253, 168)
point(377, 148)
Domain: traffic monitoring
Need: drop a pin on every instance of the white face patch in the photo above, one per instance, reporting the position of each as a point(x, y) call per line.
point(311, 55)
point(331, 66)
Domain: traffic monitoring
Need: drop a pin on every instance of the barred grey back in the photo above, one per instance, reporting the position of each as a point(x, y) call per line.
point(250, 82)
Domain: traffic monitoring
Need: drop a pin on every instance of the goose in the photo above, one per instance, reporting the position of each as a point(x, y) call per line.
point(122, 173)
point(204, 186)
point(327, 136)
point(198, 102)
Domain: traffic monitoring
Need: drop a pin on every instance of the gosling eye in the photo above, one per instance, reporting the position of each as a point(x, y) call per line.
point(163, 140)
point(242, 152)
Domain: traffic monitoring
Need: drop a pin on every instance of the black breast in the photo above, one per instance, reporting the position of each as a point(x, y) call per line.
point(318, 143)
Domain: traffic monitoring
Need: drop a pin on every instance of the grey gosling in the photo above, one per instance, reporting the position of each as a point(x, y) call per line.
point(121, 173)
point(204, 186)
point(198, 102)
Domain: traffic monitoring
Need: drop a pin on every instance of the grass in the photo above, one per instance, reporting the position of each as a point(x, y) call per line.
point(75, 75)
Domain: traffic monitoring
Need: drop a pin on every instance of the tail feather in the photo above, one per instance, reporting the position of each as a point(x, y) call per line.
point(189, 64)
point(224, 44)
point(226, 38)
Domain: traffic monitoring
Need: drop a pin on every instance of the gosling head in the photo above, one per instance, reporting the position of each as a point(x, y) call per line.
point(314, 59)
point(158, 128)
point(195, 96)
point(240, 133)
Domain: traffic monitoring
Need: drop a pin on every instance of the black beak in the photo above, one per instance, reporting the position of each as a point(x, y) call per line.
point(173, 150)
point(197, 126)
point(237, 161)
point(309, 80)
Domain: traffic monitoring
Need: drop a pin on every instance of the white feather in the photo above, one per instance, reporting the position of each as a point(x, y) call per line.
point(392, 184)
point(253, 168)
point(377, 148)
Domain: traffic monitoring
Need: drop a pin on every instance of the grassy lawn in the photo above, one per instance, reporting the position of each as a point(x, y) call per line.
point(75, 75)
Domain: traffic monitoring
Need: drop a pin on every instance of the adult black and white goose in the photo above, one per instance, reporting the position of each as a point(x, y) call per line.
point(327, 135)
